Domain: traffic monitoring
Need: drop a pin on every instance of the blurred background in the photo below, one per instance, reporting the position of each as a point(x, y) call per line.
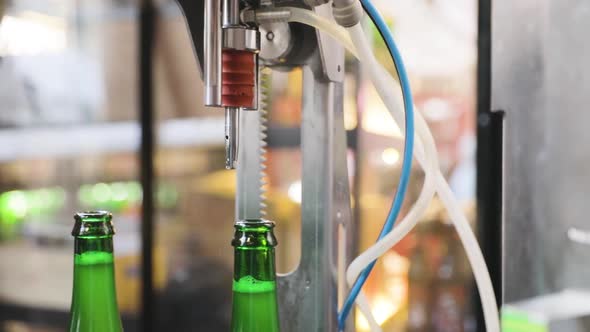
point(70, 138)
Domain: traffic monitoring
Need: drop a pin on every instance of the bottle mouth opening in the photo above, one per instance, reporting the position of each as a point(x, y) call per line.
point(93, 223)
point(254, 223)
point(93, 216)
point(254, 233)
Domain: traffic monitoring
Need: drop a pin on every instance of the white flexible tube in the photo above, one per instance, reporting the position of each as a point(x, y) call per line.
point(428, 159)
point(363, 304)
point(466, 235)
point(312, 19)
point(426, 155)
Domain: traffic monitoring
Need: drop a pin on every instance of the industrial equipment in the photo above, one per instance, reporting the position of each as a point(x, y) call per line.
point(69, 142)
point(241, 37)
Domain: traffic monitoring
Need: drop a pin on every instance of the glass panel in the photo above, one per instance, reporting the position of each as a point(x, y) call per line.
point(193, 257)
point(67, 113)
point(437, 40)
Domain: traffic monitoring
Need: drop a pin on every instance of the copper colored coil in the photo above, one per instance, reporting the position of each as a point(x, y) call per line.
point(234, 56)
point(239, 79)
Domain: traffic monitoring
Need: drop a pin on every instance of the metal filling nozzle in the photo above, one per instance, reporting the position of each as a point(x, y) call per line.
point(230, 67)
point(231, 136)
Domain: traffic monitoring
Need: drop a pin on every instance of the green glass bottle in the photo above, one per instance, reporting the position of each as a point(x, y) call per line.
point(94, 301)
point(255, 306)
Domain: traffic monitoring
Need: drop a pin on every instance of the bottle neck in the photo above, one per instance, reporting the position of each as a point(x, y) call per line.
point(94, 299)
point(254, 251)
point(93, 245)
point(257, 263)
point(94, 266)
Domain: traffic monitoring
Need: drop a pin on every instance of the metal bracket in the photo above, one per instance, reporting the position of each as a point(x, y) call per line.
point(332, 53)
point(308, 297)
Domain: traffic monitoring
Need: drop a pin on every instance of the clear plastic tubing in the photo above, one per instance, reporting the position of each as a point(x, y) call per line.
point(425, 153)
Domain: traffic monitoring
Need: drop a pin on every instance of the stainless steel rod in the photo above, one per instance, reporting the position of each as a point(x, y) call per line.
point(212, 53)
point(231, 13)
point(231, 136)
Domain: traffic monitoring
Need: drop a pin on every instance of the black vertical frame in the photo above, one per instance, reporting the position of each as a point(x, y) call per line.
point(489, 162)
point(146, 155)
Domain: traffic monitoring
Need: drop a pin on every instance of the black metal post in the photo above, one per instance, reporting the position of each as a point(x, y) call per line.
point(489, 162)
point(146, 115)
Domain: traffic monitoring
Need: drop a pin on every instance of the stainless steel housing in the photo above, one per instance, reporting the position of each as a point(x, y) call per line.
point(240, 38)
point(541, 80)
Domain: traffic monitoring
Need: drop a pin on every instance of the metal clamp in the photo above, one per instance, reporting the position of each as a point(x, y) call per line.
point(242, 39)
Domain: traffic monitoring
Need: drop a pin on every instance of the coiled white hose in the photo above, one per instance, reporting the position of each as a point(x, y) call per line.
point(426, 155)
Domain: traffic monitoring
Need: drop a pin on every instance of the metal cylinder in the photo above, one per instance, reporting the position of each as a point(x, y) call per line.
point(231, 13)
point(212, 53)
